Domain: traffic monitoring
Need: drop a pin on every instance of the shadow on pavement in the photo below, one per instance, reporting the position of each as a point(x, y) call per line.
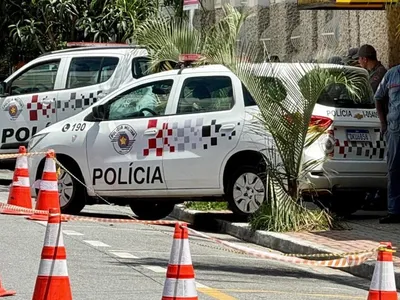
point(105, 215)
point(272, 271)
point(6, 182)
point(208, 222)
point(366, 215)
point(7, 165)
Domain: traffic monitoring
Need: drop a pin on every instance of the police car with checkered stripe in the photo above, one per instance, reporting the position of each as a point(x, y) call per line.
point(59, 84)
point(184, 134)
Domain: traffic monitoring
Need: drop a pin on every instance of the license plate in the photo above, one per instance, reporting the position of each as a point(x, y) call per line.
point(358, 135)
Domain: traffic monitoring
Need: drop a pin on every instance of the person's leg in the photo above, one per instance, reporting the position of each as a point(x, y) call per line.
point(393, 163)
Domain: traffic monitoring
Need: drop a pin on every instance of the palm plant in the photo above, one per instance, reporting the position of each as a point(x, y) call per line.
point(290, 124)
point(285, 108)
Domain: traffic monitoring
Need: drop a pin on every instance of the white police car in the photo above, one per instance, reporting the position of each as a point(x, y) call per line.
point(59, 84)
point(184, 134)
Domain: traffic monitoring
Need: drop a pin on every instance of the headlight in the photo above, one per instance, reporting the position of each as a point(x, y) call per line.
point(35, 140)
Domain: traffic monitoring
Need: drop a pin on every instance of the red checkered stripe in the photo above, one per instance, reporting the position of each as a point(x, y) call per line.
point(162, 138)
point(36, 109)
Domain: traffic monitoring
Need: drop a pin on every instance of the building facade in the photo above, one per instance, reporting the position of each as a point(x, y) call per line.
point(282, 30)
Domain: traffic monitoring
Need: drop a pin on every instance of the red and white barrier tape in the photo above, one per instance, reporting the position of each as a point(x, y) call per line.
point(16, 155)
point(67, 217)
point(349, 261)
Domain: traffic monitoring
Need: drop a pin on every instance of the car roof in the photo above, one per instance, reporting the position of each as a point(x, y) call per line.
point(123, 49)
point(261, 66)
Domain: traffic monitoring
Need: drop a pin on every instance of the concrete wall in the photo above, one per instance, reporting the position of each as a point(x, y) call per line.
point(281, 29)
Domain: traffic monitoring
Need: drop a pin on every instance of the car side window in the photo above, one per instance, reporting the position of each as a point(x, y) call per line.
point(206, 94)
point(147, 100)
point(140, 67)
point(247, 97)
point(40, 78)
point(86, 71)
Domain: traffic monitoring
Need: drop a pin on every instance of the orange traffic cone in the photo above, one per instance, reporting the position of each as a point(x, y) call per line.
point(383, 284)
point(52, 281)
point(4, 292)
point(20, 191)
point(180, 282)
point(48, 191)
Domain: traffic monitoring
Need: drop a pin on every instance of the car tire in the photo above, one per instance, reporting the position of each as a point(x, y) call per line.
point(72, 193)
point(246, 190)
point(151, 210)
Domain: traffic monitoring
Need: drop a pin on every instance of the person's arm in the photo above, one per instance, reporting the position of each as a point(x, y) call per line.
point(381, 102)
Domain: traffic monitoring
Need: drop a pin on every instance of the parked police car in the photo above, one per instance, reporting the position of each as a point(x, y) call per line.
point(148, 144)
point(59, 84)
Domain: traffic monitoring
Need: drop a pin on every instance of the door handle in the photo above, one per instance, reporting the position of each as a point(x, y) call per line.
point(151, 131)
point(228, 127)
point(47, 101)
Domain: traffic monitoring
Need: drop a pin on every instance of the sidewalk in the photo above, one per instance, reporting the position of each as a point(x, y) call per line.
point(365, 233)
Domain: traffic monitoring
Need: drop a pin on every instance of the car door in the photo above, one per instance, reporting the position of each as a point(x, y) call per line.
point(122, 150)
point(31, 104)
point(206, 127)
point(86, 78)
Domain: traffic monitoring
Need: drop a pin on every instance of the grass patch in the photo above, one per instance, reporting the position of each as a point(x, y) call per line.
point(206, 206)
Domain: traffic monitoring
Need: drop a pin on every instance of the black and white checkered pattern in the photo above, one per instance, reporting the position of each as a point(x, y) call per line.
point(372, 150)
point(82, 102)
point(197, 134)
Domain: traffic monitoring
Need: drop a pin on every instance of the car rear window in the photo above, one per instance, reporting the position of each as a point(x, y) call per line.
point(337, 95)
point(272, 85)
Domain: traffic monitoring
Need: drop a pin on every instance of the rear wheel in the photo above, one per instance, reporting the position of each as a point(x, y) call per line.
point(151, 210)
point(343, 204)
point(246, 190)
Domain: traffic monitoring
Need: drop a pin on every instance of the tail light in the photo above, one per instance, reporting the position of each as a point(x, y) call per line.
point(322, 124)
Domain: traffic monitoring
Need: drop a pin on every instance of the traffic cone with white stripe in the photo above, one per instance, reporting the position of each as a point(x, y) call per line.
point(48, 190)
point(180, 282)
point(20, 191)
point(383, 284)
point(4, 292)
point(52, 281)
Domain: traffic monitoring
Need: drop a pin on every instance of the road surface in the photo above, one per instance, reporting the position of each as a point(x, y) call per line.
point(128, 261)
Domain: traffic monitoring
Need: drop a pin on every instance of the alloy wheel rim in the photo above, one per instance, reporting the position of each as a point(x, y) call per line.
point(248, 193)
point(65, 188)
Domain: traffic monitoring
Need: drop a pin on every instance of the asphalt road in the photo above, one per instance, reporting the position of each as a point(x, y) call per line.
point(128, 261)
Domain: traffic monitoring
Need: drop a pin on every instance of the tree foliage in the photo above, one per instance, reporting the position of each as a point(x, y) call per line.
point(29, 28)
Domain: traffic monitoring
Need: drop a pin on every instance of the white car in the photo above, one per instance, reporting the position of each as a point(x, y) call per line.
point(150, 146)
point(60, 84)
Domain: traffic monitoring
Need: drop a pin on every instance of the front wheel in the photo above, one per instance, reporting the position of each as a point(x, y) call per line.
point(71, 192)
point(151, 210)
point(246, 190)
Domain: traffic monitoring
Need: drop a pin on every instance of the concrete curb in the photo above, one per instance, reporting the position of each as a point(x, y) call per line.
point(273, 240)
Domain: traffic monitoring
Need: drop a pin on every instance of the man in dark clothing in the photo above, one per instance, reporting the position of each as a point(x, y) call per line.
point(367, 59)
point(351, 59)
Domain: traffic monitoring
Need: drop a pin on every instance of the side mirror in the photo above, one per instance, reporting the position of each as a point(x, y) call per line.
point(98, 112)
point(3, 88)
